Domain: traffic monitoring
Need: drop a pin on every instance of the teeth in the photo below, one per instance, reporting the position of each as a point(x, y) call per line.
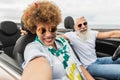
point(48, 39)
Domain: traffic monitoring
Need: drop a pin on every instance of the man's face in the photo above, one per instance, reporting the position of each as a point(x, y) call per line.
point(81, 25)
point(82, 28)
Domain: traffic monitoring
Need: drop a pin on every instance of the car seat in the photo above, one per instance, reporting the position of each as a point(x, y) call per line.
point(69, 23)
point(21, 44)
point(9, 33)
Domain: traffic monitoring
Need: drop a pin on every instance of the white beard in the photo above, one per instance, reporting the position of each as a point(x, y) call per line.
point(83, 35)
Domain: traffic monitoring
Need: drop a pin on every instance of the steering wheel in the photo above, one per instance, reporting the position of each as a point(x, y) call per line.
point(116, 54)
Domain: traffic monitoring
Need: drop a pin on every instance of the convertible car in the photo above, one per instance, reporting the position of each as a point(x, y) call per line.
point(12, 46)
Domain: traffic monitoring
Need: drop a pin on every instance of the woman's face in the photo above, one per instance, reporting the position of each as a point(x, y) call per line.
point(46, 33)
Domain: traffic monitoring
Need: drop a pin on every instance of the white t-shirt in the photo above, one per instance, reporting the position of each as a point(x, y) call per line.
point(35, 49)
point(85, 50)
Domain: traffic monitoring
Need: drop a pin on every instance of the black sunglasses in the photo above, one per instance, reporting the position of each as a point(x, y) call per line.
point(43, 30)
point(80, 25)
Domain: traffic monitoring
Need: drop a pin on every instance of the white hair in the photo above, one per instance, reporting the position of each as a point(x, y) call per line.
point(83, 35)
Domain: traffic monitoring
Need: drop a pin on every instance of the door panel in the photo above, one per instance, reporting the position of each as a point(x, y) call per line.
point(106, 46)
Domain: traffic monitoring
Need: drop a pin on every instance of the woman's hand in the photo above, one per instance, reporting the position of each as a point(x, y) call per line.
point(86, 74)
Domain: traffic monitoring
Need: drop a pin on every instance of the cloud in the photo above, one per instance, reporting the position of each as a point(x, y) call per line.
point(96, 11)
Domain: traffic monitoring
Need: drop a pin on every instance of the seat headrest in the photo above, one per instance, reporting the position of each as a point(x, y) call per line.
point(8, 27)
point(69, 22)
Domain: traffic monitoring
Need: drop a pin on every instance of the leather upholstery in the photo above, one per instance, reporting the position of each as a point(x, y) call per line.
point(9, 33)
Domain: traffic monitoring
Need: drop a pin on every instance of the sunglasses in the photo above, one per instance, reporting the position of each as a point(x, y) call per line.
point(80, 25)
point(43, 30)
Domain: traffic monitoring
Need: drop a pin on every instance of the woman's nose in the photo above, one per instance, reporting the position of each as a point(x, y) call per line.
point(48, 33)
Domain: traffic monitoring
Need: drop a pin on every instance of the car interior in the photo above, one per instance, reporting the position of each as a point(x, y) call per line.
point(9, 33)
point(11, 62)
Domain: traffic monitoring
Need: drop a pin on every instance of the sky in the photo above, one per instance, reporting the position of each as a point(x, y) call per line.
point(95, 11)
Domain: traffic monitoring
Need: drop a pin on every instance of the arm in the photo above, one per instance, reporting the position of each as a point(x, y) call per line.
point(23, 32)
point(109, 34)
point(37, 69)
point(65, 37)
point(86, 74)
